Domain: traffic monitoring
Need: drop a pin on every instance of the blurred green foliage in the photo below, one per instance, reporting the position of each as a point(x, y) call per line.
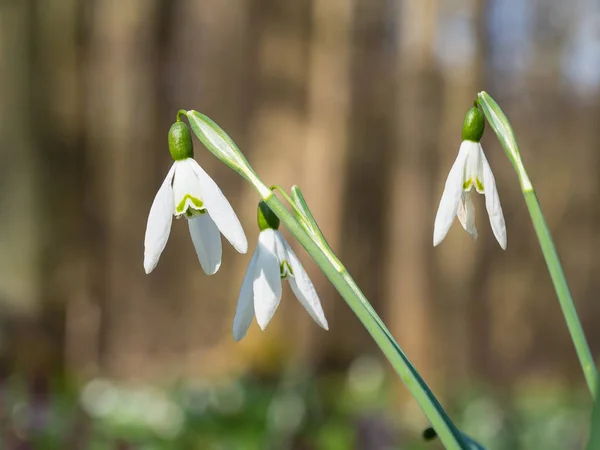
point(298, 411)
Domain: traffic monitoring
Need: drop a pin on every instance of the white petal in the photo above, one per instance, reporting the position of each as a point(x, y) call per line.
point(244, 312)
point(466, 214)
point(473, 166)
point(187, 192)
point(492, 203)
point(281, 252)
point(267, 280)
point(221, 211)
point(159, 223)
point(304, 290)
point(207, 242)
point(451, 196)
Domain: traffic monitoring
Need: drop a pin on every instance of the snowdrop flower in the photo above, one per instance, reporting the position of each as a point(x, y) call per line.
point(189, 192)
point(470, 170)
point(272, 261)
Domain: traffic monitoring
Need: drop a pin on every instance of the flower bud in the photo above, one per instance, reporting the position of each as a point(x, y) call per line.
point(473, 125)
point(180, 142)
point(266, 218)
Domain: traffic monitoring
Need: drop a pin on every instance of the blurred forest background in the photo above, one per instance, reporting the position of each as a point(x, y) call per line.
point(361, 103)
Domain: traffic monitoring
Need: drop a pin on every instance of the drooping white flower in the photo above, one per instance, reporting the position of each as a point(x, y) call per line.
point(190, 192)
point(273, 260)
point(470, 170)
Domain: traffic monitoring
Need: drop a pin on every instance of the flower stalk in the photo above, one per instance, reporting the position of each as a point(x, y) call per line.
point(300, 225)
point(501, 126)
point(351, 293)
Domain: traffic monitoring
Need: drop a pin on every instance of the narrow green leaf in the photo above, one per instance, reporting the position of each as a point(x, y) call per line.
point(308, 218)
point(221, 145)
point(449, 434)
point(501, 126)
point(594, 442)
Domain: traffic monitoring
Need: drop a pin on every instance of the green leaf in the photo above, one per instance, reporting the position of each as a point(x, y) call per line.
point(501, 126)
point(218, 143)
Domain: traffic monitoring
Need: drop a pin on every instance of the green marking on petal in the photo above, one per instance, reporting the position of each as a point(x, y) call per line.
point(194, 212)
point(479, 185)
point(285, 270)
point(181, 207)
point(468, 184)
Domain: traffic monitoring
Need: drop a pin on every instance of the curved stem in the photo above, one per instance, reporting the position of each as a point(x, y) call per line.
point(501, 126)
point(221, 145)
point(450, 436)
point(314, 226)
point(594, 439)
point(181, 112)
point(562, 292)
point(307, 221)
point(289, 200)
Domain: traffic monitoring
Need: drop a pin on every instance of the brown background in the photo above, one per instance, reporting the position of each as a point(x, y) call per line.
point(361, 103)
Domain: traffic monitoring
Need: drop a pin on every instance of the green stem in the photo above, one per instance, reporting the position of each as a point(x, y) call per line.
point(594, 439)
point(450, 436)
point(501, 126)
point(300, 203)
point(223, 147)
point(181, 112)
point(562, 291)
point(285, 195)
point(308, 223)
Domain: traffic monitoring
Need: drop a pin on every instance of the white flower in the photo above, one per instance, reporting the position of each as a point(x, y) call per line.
point(272, 261)
point(470, 169)
point(188, 191)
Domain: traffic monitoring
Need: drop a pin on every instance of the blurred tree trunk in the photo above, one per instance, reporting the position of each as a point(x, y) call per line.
point(44, 111)
point(20, 195)
point(326, 145)
point(593, 282)
point(277, 83)
point(58, 98)
point(18, 168)
point(211, 63)
point(410, 279)
point(478, 360)
point(365, 185)
point(121, 125)
point(463, 264)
